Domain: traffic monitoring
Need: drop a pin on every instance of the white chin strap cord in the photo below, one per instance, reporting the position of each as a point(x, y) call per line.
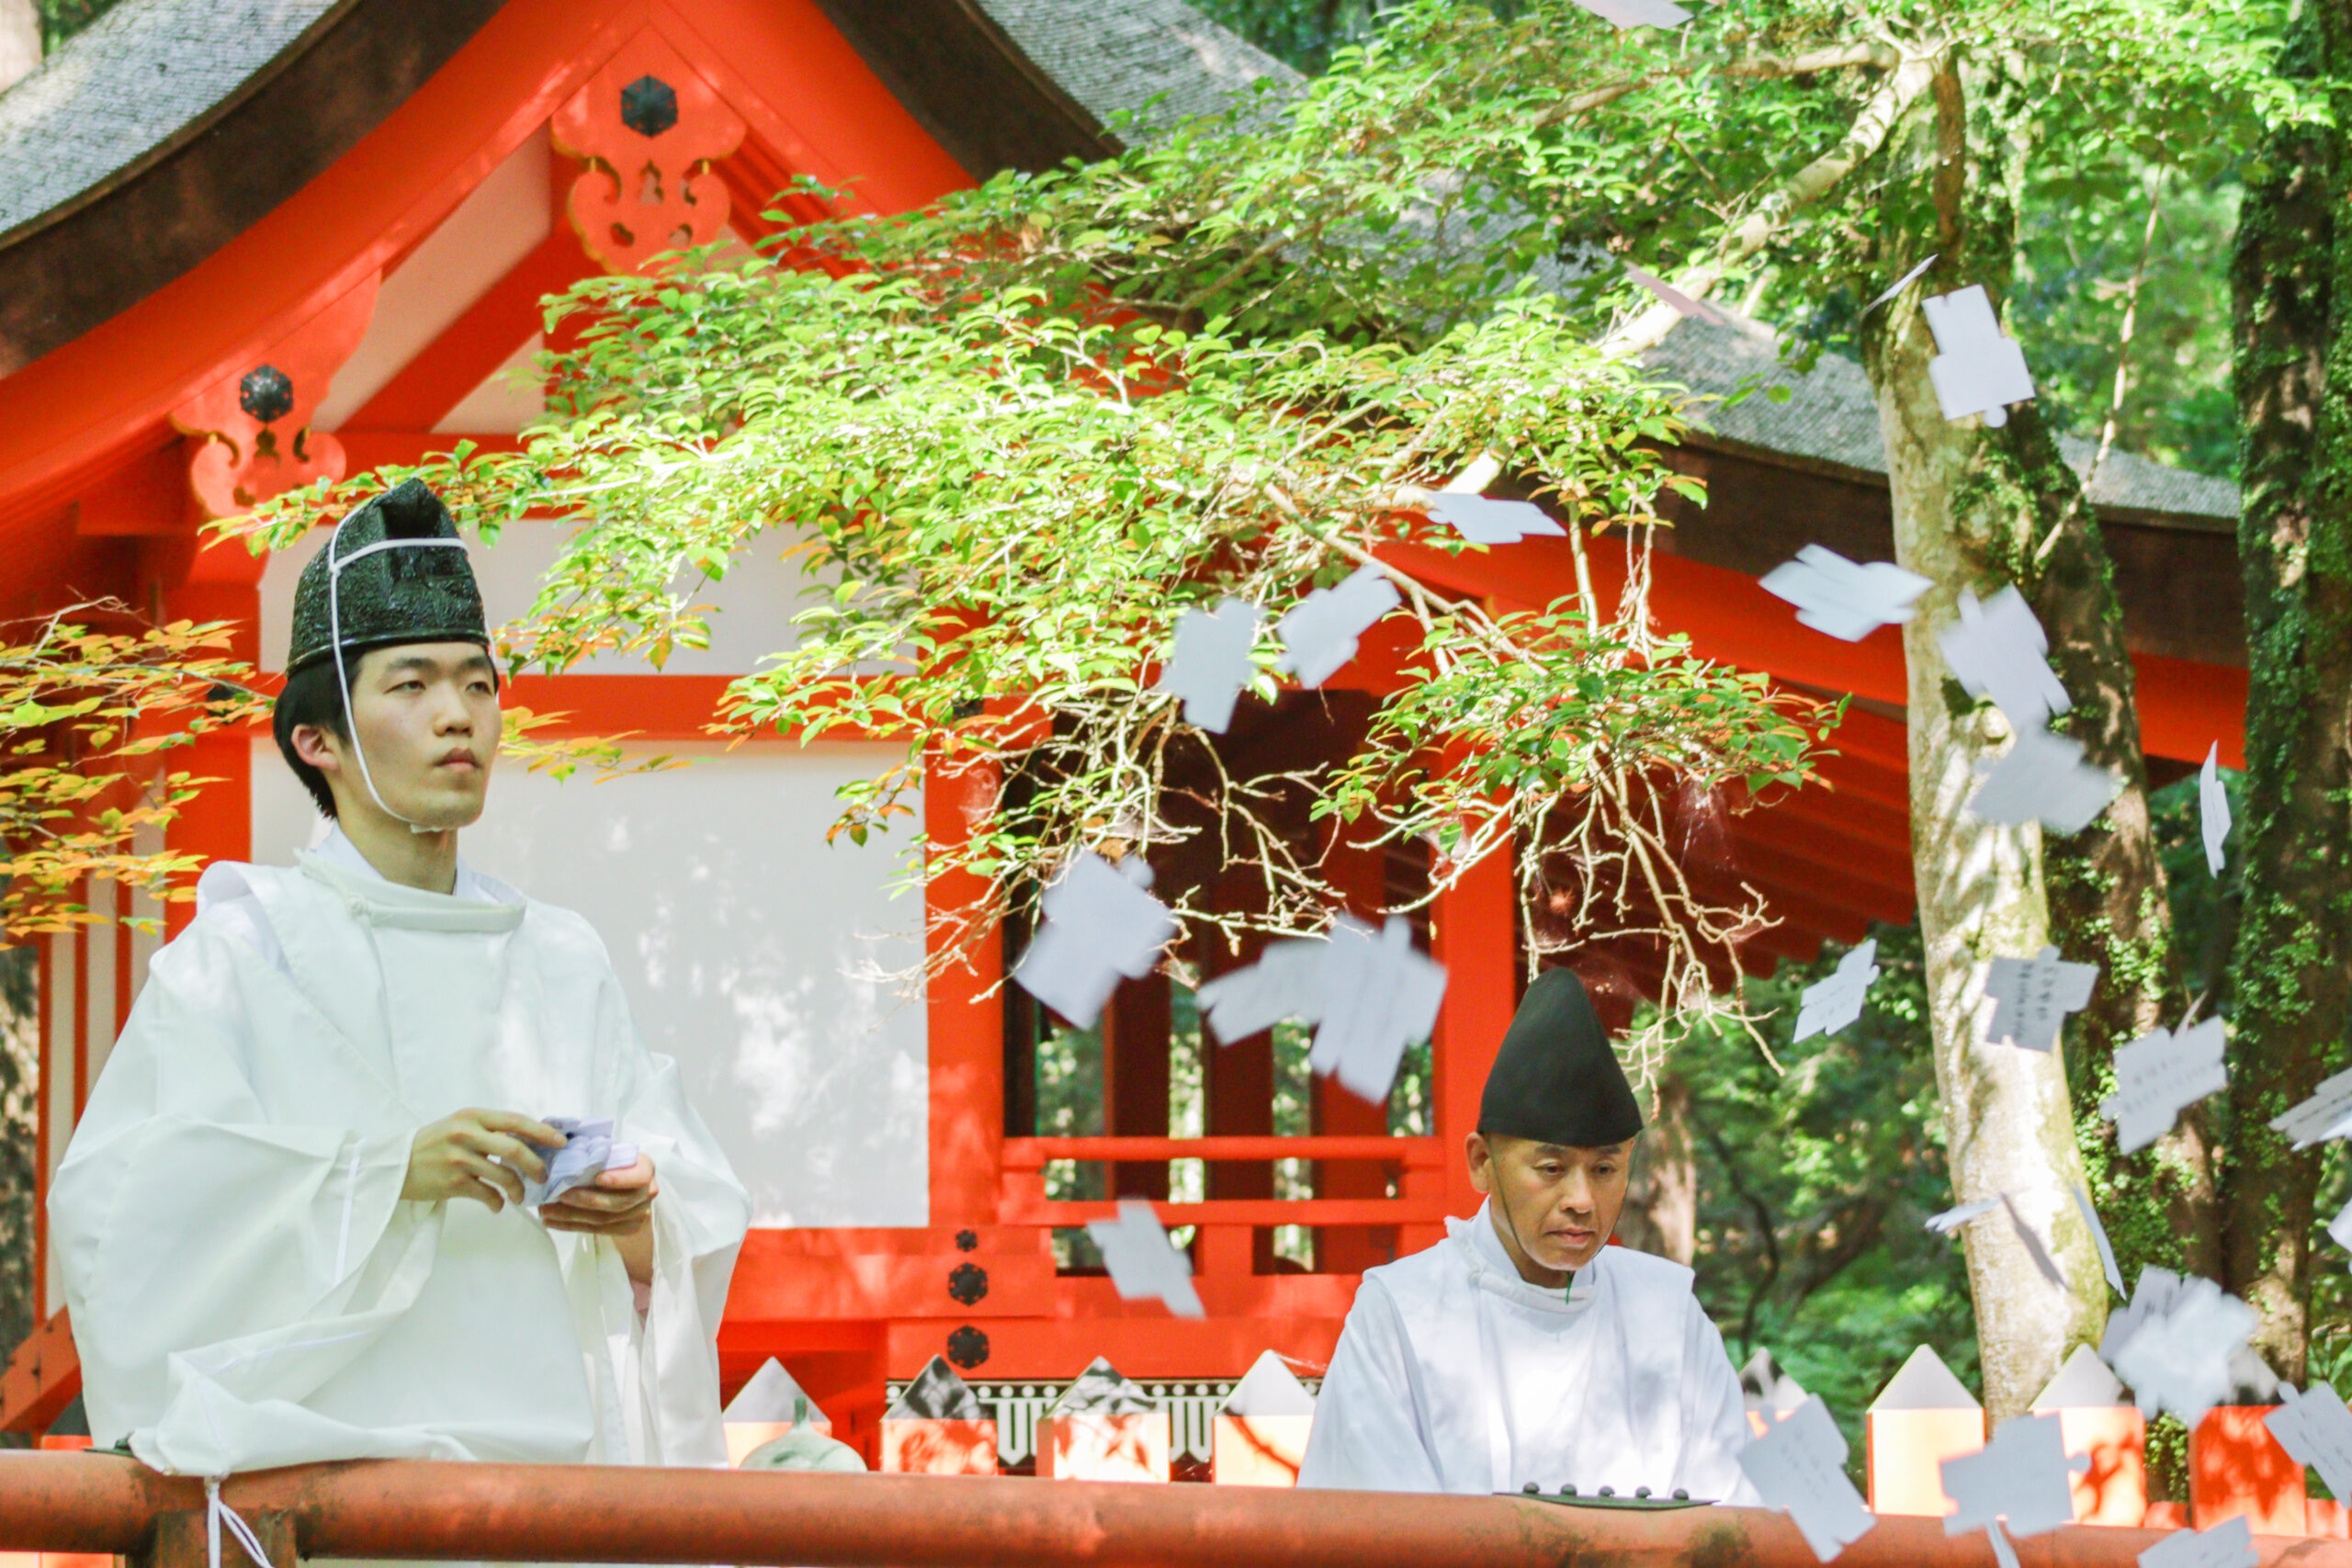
point(335, 563)
point(218, 1513)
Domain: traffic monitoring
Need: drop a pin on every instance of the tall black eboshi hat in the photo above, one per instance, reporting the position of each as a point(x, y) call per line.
point(377, 583)
point(1556, 1078)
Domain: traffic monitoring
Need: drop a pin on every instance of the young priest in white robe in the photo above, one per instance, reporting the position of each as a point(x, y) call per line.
point(291, 1220)
point(1522, 1350)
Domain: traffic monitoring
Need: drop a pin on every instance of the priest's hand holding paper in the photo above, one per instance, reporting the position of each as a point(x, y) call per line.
point(617, 1206)
point(481, 1154)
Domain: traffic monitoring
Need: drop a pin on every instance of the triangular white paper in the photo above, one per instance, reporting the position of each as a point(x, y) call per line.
point(773, 1395)
point(1271, 1388)
point(1924, 1382)
point(2082, 1382)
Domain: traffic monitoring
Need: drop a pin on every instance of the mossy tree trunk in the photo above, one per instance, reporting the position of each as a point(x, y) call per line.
point(1968, 508)
point(2292, 969)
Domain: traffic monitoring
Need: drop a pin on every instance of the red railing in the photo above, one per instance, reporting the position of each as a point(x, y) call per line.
point(82, 1502)
point(1418, 1161)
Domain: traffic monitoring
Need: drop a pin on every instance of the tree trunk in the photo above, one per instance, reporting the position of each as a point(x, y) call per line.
point(2291, 970)
point(2108, 902)
point(1661, 1213)
point(1964, 514)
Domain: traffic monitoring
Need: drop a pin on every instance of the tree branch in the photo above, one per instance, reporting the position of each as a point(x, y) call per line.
point(1873, 124)
point(1876, 53)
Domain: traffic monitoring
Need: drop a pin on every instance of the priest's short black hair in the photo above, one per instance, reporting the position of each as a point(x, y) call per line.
point(312, 696)
point(1556, 1078)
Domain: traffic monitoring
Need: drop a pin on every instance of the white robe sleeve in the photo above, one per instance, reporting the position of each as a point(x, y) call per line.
point(1370, 1434)
point(208, 1250)
point(1714, 1418)
point(699, 1220)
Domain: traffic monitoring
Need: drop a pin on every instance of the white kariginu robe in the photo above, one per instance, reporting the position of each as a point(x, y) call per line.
point(1453, 1374)
point(248, 1288)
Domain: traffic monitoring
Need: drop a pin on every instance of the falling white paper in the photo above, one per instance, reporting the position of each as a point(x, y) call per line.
point(1953, 1219)
point(2327, 1115)
point(2315, 1430)
point(1683, 304)
point(1997, 649)
point(1799, 1466)
point(2034, 1245)
point(1485, 520)
point(1900, 283)
point(1143, 1262)
point(1099, 926)
point(2044, 778)
point(2229, 1544)
point(1846, 600)
point(2021, 1477)
point(1379, 996)
point(1319, 635)
point(2212, 807)
point(2031, 998)
point(2340, 1227)
point(1286, 982)
point(587, 1152)
point(1828, 1006)
point(1369, 993)
point(2098, 1237)
point(1210, 663)
point(1637, 12)
point(2172, 1343)
point(2160, 1075)
point(1979, 371)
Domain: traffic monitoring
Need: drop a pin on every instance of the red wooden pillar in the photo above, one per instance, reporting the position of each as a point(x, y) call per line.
point(1134, 1079)
point(1359, 872)
point(1472, 934)
point(965, 1027)
point(221, 582)
point(1238, 1082)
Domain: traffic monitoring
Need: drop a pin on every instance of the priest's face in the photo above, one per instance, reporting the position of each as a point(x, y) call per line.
point(427, 715)
point(1553, 1205)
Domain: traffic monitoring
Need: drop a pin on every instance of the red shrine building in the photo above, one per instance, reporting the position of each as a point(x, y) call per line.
point(243, 245)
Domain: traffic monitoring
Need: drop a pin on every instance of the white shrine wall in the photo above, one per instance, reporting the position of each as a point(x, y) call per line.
point(752, 951)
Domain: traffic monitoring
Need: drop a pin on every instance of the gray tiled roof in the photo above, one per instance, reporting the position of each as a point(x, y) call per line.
point(145, 77)
point(1832, 417)
point(151, 73)
point(1115, 56)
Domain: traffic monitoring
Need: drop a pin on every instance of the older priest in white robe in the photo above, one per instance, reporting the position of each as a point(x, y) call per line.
point(253, 1276)
point(1522, 1350)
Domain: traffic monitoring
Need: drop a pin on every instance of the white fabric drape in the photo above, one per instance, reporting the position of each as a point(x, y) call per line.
point(1453, 1374)
point(248, 1288)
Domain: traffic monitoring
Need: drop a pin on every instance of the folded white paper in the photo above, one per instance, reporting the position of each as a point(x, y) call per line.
point(1143, 1262)
point(1210, 663)
point(2099, 1236)
point(2160, 1075)
point(1979, 370)
point(2043, 777)
point(1100, 926)
point(1369, 993)
point(1830, 1004)
point(1997, 649)
point(2031, 998)
point(1484, 519)
point(2022, 1477)
point(2173, 1342)
point(2315, 1430)
point(2229, 1544)
point(586, 1153)
point(1320, 634)
point(2212, 808)
point(1846, 600)
point(2327, 1115)
point(1637, 12)
point(1799, 1466)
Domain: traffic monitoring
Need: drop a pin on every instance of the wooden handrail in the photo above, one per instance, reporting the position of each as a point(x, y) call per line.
point(419, 1509)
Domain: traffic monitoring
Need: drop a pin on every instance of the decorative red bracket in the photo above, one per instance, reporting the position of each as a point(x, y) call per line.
point(648, 127)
